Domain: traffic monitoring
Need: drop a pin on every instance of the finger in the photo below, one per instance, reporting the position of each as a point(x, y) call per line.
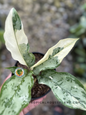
point(21, 113)
point(32, 105)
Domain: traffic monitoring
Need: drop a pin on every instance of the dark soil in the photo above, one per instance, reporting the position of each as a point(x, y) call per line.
point(38, 90)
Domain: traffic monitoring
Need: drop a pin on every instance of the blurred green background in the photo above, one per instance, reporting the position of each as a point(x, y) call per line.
point(45, 23)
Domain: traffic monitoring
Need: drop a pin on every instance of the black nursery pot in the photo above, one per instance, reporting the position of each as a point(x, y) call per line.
point(38, 90)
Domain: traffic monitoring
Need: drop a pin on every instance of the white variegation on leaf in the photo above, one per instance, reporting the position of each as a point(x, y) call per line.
point(54, 55)
point(66, 88)
point(15, 93)
point(14, 36)
point(65, 44)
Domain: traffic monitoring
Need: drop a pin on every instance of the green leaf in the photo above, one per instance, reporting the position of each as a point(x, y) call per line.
point(14, 36)
point(75, 28)
point(48, 64)
point(12, 69)
point(83, 7)
point(51, 63)
point(83, 21)
point(67, 89)
point(16, 94)
point(28, 57)
point(16, 20)
point(56, 50)
point(1, 36)
point(81, 52)
point(24, 48)
point(54, 55)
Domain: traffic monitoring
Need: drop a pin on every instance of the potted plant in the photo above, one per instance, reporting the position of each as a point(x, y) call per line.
point(66, 88)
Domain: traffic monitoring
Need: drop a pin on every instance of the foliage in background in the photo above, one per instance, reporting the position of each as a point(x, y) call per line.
point(79, 52)
point(1, 38)
point(79, 30)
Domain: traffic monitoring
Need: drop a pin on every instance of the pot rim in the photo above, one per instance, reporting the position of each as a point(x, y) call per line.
point(34, 98)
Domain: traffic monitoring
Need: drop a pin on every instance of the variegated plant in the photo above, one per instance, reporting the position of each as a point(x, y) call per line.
point(15, 93)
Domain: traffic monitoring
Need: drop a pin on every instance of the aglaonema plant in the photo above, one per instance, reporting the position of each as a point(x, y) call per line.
point(15, 93)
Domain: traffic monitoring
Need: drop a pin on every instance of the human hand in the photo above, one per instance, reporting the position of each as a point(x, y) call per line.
point(31, 105)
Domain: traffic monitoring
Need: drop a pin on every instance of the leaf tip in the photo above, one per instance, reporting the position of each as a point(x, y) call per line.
point(13, 9)
point(76, 39)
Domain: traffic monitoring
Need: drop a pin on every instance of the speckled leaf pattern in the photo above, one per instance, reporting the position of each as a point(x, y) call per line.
point(16, 21)
point(60, 50)
point(51, 63)
point(14, 36)
point(28, 57)
point(16, 94)
point(67, 89)
point(54, 55)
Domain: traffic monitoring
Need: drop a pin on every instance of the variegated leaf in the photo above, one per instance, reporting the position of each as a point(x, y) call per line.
point(14, 36)
point(67, 89)
point(28, 57)
point(55, 54)
point(12, 69)
point(15, 94)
